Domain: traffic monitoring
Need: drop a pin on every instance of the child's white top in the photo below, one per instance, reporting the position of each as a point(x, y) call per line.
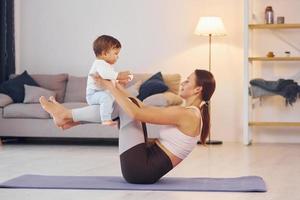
point(105, 70)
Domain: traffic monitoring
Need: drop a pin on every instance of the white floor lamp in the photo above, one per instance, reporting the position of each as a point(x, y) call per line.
point(210, 26)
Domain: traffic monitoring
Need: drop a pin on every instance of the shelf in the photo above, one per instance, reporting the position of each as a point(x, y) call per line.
point(251, 29)
point(274, 59)
point(274, 26)
point(290, 124)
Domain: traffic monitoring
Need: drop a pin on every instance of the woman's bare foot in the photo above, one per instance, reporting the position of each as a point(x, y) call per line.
point(69, 125)
point(60, 114)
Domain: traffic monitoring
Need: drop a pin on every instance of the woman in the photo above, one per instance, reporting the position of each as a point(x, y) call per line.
point(142, 162)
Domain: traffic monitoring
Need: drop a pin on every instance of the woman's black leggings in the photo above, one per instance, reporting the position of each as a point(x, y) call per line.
point(141, 162)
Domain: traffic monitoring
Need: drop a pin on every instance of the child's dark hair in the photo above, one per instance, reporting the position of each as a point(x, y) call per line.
point(104, 43)
point(206, 80)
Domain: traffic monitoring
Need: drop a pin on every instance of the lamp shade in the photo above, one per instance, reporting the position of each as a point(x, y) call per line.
point(210, 26)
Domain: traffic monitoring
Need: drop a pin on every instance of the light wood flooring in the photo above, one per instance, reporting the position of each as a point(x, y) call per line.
point(278, 164)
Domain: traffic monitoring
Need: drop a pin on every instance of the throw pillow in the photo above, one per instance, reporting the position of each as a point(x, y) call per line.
point(15, 87)
point(54, 82)
point(156, 100)
point(154, 85)
point(173, 82)
point(33, 93)
point(163, 99)
point(172, 99)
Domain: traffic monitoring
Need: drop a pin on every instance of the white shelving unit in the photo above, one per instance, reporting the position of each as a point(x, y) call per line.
point(247, 137)
point(249, 64)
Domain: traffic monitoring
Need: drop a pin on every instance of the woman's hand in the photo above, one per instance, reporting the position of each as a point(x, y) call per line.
point(99, 81)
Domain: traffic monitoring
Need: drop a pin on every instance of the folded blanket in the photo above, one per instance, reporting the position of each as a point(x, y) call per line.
point(256, 92)
point(287, 88)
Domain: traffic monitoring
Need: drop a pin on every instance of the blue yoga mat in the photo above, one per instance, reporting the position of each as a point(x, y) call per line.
point(239, 184)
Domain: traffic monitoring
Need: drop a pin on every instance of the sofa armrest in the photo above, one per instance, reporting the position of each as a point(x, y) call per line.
point(5, 100)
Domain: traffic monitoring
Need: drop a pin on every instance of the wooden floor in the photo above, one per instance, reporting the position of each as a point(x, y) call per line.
point(278, 164)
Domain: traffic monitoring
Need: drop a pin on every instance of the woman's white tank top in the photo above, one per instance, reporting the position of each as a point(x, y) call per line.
point(177, 142)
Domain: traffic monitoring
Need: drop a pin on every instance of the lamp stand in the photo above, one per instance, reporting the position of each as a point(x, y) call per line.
point(211, 142)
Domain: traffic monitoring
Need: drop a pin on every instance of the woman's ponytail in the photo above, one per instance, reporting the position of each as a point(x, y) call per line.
point(206, 80)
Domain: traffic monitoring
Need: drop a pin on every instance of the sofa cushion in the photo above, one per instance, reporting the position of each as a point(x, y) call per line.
point(154, 85)
point(33, 93)
point(54, 82)
point(71, 105)
point(15, 87)
point(133, 89)
point(76, 89)
point(25, 111)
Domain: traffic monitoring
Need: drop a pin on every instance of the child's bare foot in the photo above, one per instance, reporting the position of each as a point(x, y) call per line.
point(109, 123)
point(60, 114)
point(69, 125)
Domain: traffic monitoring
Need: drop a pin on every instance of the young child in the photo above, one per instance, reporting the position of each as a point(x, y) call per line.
point(106, 49)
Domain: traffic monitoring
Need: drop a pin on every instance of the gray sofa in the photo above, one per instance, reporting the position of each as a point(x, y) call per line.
point(30, 120)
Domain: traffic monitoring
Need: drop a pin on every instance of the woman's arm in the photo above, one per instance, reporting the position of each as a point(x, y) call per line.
point(173, 115)
point(127, 94)
point(150, 114)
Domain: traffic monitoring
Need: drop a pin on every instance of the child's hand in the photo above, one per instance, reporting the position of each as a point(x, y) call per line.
point(126, 75)
point(130, 77)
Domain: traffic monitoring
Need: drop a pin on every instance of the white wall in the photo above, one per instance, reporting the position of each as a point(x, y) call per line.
point(56, 36)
